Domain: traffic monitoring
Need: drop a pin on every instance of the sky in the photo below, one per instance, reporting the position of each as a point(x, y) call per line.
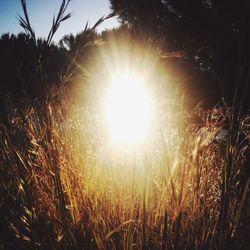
point(41, 13)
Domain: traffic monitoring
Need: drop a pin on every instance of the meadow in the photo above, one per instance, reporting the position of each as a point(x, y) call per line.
point(63, 185)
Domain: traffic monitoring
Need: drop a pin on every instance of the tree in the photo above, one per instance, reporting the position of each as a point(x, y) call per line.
point(214, 36)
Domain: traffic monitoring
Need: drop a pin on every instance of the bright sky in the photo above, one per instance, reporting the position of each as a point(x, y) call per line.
point(41, 14)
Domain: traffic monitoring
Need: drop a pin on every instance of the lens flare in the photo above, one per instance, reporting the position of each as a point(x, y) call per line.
point(129, 110)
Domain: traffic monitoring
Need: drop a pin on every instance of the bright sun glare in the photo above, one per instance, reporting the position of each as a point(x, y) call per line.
point(129, 110)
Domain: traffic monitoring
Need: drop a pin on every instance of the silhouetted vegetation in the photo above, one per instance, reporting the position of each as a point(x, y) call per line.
point(213, 37)
point(58, 189)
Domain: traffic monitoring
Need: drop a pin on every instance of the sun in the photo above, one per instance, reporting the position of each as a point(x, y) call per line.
point(128, 110)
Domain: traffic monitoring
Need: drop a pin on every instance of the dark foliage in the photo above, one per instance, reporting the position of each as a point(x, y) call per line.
point(214, 36)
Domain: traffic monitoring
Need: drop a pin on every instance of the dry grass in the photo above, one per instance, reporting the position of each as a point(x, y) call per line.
point(60, 187)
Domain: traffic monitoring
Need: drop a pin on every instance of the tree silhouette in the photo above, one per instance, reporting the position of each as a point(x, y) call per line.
point(213, 34)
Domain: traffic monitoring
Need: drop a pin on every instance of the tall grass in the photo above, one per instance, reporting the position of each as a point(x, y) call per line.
point(62, 188)
point(59, 190)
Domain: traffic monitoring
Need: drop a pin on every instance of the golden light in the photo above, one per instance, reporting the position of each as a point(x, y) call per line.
point(128, 110)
